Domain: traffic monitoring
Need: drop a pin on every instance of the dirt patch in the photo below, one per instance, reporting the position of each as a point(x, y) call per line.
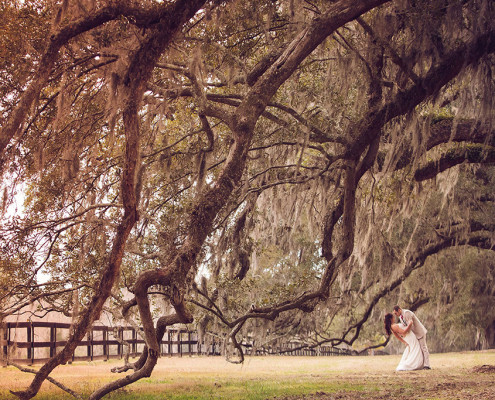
point(450, 392)
point(469, 384)
point(485, 369)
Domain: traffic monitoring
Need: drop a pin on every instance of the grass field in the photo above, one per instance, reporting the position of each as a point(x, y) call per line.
point(454, 376)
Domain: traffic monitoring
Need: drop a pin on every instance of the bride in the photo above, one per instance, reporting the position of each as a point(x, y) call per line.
point(412, 358)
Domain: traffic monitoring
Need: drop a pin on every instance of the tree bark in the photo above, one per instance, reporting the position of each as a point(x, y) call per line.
point(471, 154)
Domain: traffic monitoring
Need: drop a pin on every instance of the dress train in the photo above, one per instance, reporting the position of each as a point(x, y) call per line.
point(412, 358)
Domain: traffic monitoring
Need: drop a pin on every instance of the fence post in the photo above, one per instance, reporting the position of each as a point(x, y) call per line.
point(179, 340)
point(30, 340)
point(53, 340)
point(90, 344)
point(71, 328)
point(105, 343)
point(134, 340)
point(5, 329)
point(121, 340)
point(169, 343)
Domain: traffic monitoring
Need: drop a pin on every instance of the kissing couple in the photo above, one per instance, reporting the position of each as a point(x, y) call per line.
point(412, 333)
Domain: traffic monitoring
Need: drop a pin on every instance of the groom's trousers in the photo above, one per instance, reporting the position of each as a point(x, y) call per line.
point(424, 349)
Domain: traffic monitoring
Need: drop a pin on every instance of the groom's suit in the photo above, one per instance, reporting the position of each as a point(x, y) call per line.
point(420, 332)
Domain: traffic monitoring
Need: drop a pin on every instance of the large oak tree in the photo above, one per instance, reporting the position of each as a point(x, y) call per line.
point(159, 141)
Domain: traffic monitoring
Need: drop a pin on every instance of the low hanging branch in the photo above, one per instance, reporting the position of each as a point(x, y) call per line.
point(49, 379)
point(306, 301)
point(147, 358)
point(481, 239)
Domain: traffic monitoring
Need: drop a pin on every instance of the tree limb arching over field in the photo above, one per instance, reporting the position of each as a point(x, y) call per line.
point(158, 142)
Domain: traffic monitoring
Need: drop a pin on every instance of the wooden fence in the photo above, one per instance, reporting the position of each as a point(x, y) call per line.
point(36, 342)
point(294, 349)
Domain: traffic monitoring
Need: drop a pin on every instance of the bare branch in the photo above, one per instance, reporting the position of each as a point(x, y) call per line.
point(50, 379)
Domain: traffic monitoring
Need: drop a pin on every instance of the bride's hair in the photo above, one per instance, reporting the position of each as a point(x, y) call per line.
point(388, 323)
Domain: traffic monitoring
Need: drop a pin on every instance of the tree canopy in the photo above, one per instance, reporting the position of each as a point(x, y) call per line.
point(269, 168)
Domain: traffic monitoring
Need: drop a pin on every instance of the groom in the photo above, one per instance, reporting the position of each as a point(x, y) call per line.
point(407, 316)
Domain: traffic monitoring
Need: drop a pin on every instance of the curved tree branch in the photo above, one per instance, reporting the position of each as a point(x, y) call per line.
point(471, 154)
point(50, 379)
point(437, 77)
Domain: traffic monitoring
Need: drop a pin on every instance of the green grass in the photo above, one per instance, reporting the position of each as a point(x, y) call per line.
point(206, 378)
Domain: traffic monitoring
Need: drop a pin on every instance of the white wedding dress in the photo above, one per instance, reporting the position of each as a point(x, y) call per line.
point(413, 356)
